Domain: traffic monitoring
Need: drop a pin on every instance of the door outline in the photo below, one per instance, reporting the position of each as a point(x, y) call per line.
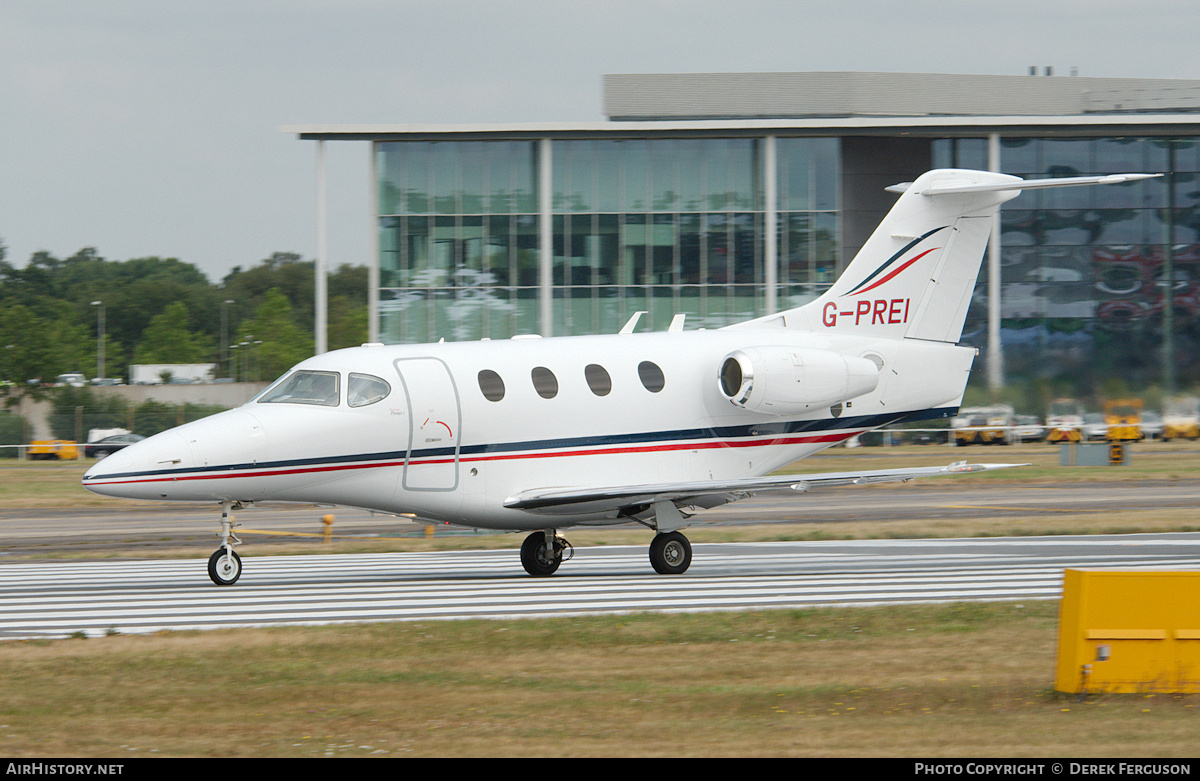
point(424, 406)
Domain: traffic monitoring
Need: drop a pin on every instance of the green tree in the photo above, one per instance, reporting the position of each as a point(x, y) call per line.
point(62, 343)
point(347, 323)
point(271, 343)
point(19, 327)
point(283, 272)
point(168, 340)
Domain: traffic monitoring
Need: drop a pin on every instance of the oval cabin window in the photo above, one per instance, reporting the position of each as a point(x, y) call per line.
point(544, 382)
point(598, 379)
point(651, 376)
point(491, 385)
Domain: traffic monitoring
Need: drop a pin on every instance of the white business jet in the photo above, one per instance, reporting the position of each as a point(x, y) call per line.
point(537, 435)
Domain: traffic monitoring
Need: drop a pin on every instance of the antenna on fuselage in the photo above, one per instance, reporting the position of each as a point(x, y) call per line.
point(628, 327)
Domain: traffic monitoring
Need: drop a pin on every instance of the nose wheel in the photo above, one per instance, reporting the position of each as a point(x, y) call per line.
point(225, 566)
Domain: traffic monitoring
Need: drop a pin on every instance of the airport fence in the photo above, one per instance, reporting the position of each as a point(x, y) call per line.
point(76, 424)
point(14, 431)
point(147, 418)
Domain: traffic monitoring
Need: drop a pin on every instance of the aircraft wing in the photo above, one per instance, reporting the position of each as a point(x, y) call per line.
point(712, 493)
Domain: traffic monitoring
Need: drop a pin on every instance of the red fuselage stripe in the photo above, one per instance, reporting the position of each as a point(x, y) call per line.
point(799, 440)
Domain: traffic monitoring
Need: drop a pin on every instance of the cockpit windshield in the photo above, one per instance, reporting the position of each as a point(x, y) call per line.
point(304, 387)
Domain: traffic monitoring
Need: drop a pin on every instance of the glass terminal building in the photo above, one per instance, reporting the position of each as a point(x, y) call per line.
point(661, 225)
point(729, 196)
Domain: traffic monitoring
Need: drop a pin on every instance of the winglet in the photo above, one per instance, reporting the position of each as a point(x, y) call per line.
point(962, 466)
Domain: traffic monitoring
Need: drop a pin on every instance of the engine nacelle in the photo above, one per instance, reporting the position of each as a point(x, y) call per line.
point(788, 380)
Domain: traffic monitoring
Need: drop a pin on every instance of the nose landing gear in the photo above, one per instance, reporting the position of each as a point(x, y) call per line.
point(225, 566)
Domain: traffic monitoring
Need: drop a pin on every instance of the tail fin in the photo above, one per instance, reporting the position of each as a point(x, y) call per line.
point(915, 275)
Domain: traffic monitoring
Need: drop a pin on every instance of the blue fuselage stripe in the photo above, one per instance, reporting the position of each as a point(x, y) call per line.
point(716, 433)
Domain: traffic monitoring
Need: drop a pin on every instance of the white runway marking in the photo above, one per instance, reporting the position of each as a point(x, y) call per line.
point(58, 599)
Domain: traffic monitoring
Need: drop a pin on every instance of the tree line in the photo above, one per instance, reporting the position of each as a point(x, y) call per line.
point(163, 310)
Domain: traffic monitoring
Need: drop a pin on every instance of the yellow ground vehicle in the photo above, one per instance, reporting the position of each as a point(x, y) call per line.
point(983, 426)
point(1124, 419)
point(62, 449)
point(1181, 418)
point(1065, 421)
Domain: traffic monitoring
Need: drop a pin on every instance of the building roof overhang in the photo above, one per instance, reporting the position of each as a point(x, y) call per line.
point(926, 126)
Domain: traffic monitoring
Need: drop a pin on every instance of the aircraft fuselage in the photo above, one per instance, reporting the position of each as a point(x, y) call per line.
point(465, 426)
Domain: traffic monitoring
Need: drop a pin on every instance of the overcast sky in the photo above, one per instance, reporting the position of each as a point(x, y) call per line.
point(151, 127)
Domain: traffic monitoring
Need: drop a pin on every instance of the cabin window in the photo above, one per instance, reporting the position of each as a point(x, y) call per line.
point(651, 376)
point(598, 379)
point(491, 385)
point(364, 389)
point(544, 382)
point(304, 387)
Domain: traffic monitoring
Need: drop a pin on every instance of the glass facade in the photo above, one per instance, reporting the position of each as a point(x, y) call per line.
point(458, 240)
point(662, 225)
point(671, 225)
point(1083, 285)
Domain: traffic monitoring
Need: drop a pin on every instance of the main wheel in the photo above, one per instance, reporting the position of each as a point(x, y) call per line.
point(224, 569)
point(670, 554)
point(536, 559)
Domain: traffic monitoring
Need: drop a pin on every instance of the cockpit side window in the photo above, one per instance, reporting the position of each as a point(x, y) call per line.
point(304, 387)
point(364, 389)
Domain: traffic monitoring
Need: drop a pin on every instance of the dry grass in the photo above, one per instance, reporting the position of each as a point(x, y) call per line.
point(967, 680)
point(924, 681)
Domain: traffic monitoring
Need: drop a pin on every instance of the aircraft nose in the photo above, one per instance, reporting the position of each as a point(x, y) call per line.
point(138, 471)
point(184, 463)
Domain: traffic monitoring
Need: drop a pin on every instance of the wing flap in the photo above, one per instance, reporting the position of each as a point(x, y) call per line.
point(711, 493)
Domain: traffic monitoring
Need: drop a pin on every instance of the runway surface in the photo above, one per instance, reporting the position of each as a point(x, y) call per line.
point(144, 527)
point(57, 599)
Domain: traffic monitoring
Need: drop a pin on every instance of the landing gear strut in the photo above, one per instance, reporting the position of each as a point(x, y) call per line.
point(543, 551)
point(225, 566)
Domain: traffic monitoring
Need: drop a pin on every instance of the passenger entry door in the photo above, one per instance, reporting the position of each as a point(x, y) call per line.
point(434, 420)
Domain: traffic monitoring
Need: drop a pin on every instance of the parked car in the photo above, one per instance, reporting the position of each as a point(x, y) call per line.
point(1152, 425)
point(109, 445)
point(1027, 428)
point(1094, 427)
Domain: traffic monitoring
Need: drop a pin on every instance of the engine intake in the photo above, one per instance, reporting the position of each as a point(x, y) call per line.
point(789, 380)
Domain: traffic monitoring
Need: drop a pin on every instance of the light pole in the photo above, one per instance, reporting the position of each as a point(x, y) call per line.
point(99, 338)
point(224, 334)
point(1168, 272)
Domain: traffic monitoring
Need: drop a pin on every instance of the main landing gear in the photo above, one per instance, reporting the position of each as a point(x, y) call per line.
point(225, 566)
point(670, 553)
point(543, 552)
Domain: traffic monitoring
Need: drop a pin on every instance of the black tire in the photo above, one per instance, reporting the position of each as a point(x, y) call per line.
point(670, 554)
point(535, 559)
point(222, 570)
